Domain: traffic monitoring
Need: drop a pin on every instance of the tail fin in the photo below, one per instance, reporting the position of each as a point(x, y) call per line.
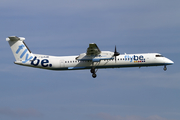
point(20, 50)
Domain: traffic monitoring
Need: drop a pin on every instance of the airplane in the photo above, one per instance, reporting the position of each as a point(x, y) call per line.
point(93, 59)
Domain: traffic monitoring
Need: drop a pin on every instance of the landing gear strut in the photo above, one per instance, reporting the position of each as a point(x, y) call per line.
point(93, 72)
point(165, 68)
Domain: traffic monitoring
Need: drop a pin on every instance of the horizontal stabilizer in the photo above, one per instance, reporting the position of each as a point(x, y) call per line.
point(15, 38)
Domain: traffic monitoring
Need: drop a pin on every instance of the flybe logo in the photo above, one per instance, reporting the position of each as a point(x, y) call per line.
point(44, 62)
point(135, 58)
point(27, 58)
point(35, 61)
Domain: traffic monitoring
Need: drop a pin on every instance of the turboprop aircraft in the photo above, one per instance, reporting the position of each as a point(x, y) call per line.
point(93, 59)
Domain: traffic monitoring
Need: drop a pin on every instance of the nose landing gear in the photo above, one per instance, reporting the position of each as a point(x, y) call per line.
point(165, 68)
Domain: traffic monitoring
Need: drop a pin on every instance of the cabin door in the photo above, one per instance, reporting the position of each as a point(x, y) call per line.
point(62, 63)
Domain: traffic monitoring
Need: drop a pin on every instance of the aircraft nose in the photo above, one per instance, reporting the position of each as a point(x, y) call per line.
point(169, 62)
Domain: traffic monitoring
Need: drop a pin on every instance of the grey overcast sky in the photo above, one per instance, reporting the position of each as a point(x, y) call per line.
point(66, 27)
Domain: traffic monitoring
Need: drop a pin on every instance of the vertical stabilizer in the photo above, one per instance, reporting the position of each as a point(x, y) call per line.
point(20, 51)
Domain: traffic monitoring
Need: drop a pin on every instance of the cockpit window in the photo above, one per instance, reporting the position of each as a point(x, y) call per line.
point(159, 56)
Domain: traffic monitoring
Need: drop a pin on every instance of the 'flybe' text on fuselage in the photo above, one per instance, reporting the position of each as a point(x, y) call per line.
point(134, 58)
point(43, 62)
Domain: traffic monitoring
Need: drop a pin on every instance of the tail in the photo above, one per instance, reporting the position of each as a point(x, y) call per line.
point(20, 50)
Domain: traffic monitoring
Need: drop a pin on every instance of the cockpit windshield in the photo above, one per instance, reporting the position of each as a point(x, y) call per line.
point(159, 56)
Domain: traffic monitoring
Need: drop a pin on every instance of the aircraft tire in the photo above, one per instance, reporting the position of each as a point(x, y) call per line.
point(94, 75)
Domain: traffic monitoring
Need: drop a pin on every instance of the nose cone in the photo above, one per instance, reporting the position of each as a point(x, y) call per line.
point(169, 62)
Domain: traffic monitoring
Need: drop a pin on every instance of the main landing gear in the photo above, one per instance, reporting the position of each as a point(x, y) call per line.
point(165, 68)
point(93, 72)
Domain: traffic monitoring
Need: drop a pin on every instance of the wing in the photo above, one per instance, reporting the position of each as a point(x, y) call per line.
point(93, 50)
point(94, 54)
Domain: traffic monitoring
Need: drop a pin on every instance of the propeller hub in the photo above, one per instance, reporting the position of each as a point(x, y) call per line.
point(116, 54)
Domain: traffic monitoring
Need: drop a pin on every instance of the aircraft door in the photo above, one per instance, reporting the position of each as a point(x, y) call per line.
point(62, 63)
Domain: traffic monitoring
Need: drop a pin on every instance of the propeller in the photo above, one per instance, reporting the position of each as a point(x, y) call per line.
point(116, 53)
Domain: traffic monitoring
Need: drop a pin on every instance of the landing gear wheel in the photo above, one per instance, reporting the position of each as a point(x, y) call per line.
point(94, 75)
point(165, 68)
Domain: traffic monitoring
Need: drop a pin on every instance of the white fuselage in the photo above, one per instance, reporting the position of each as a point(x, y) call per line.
point(92, 59)
point(71, 62)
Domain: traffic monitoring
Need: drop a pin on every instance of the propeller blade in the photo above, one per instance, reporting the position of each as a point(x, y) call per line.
point(115, 52)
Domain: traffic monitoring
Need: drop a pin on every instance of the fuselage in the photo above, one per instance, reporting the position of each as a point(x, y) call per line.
point(93, 59)
point(71, 62)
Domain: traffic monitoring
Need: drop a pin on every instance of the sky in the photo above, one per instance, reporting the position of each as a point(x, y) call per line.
point(66, 27)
